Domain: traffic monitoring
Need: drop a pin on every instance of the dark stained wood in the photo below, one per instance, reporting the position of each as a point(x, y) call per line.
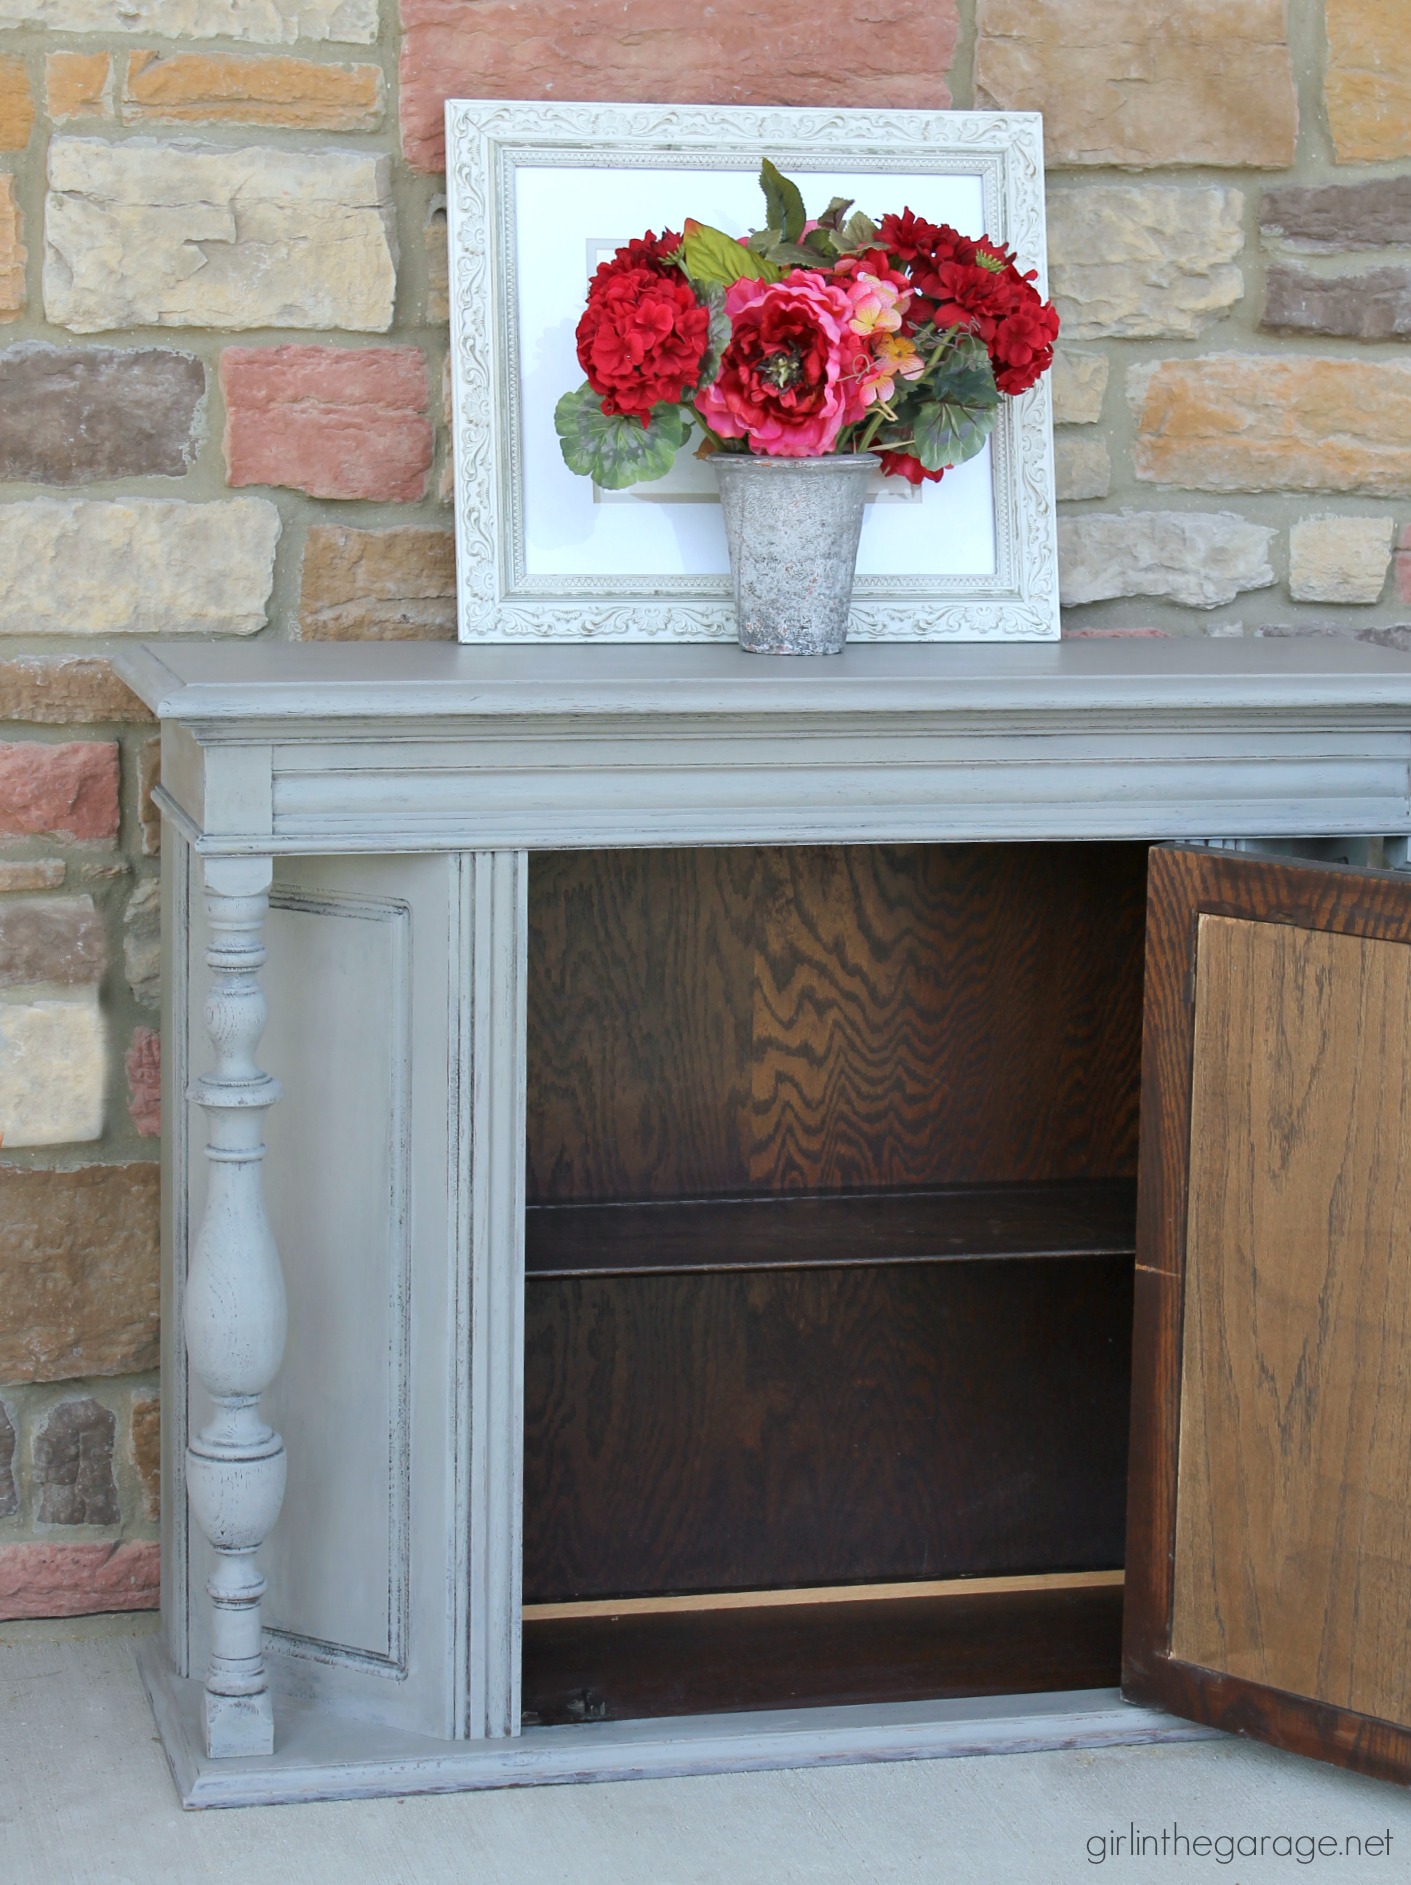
point(832, 1017)
point(641, 967)
point(898, 1649)
point(1269, 1556)
point(947, 1014)
point(798, 1230)
point(784, 1427)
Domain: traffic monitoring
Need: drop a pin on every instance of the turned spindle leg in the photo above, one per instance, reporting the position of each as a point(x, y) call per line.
point(235, 1314)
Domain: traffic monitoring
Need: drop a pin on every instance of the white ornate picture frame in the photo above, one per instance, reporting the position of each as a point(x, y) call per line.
point(538, 192)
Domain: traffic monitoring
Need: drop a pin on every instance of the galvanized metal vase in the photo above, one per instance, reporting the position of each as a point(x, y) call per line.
point(792, 526)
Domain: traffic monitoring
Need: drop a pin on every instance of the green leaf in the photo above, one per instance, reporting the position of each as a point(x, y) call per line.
point(611, 449)
point(967, 353)
point(783, 202)
point(714, 260)
point(821, 242)
point(717, 336)
point(858, 232)
point(785, 255)
point(832, 217)
point(957, 410)
point(947, 432)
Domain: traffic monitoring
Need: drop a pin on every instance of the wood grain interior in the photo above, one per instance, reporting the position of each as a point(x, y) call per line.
point(1293, 1529)
point(753, 1021)
point(807, 1230)
point(782, 1427)
point(829, 1249)
point(630, 1667)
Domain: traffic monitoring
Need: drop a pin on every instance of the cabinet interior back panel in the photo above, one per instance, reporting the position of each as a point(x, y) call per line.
point(751, 1021)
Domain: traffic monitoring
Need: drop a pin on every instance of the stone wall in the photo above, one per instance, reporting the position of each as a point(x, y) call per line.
point(223, 298)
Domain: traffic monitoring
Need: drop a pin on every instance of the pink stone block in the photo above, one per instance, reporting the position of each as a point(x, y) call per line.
point(143, 1064)
point(65, 791)
point(337, 422)
point(792, 52)
point(44, 1580)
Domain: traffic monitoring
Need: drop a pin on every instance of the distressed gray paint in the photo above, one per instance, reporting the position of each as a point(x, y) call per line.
point(480, 755)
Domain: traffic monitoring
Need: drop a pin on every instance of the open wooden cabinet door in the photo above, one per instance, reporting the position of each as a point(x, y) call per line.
point(1269, 1534)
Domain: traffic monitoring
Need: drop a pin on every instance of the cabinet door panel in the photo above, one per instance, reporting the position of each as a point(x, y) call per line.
point(1269, 1554)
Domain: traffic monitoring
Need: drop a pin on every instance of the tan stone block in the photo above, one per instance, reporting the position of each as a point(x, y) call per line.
point(1368, 81)
point(72, 690)
point(438, 272)
point(9, 1491)
point(1144, 83)
point(39, 873)
point(16, 105)
point(53, 1069)
point(78, 85)
point(61, 940)
point(1203, 559)
point(78, 1271)
point(12, 252)
point(149, 818)
point(226, 88)
point(142, 942)
point(271, 22)
point(1128, 260)
point(1339, 559)
point(1082, 467)
point(148, 234)
point(1274, 422)
point(1079, 383)
point(136, 566)
point(49, 1580)
point(378, 585)
point(145, 1431)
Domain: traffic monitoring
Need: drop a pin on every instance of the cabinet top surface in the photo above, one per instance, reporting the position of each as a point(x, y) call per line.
point(232, 682)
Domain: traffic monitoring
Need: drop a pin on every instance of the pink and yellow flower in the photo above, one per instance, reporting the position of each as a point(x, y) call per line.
point(894, 357)
point(877, 305)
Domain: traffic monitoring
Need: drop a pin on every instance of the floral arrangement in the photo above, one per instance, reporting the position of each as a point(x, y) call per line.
point(809, 336)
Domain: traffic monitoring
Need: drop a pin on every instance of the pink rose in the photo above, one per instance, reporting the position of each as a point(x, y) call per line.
point(791, 377)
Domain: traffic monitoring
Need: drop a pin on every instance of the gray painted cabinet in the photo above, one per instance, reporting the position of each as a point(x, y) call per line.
point(347, 834)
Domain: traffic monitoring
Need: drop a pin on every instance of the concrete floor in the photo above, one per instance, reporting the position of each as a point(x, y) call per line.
point(85, 1799)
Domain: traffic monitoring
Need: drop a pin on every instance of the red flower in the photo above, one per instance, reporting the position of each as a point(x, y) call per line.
point(959, 281)
point(643, 334)
point(968, 295)
point(910, 238)
point(1021, 349)
point(904, 465)
point(648, 251)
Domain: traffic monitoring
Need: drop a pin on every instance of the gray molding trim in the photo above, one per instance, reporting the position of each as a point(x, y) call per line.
point(487, 140)
point(499, 942)
point(325, 1756)
point(392, 1661)
point(178, 872)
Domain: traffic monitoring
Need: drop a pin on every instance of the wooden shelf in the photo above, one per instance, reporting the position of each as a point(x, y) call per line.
point(810, 1230)
point(895, 1649)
